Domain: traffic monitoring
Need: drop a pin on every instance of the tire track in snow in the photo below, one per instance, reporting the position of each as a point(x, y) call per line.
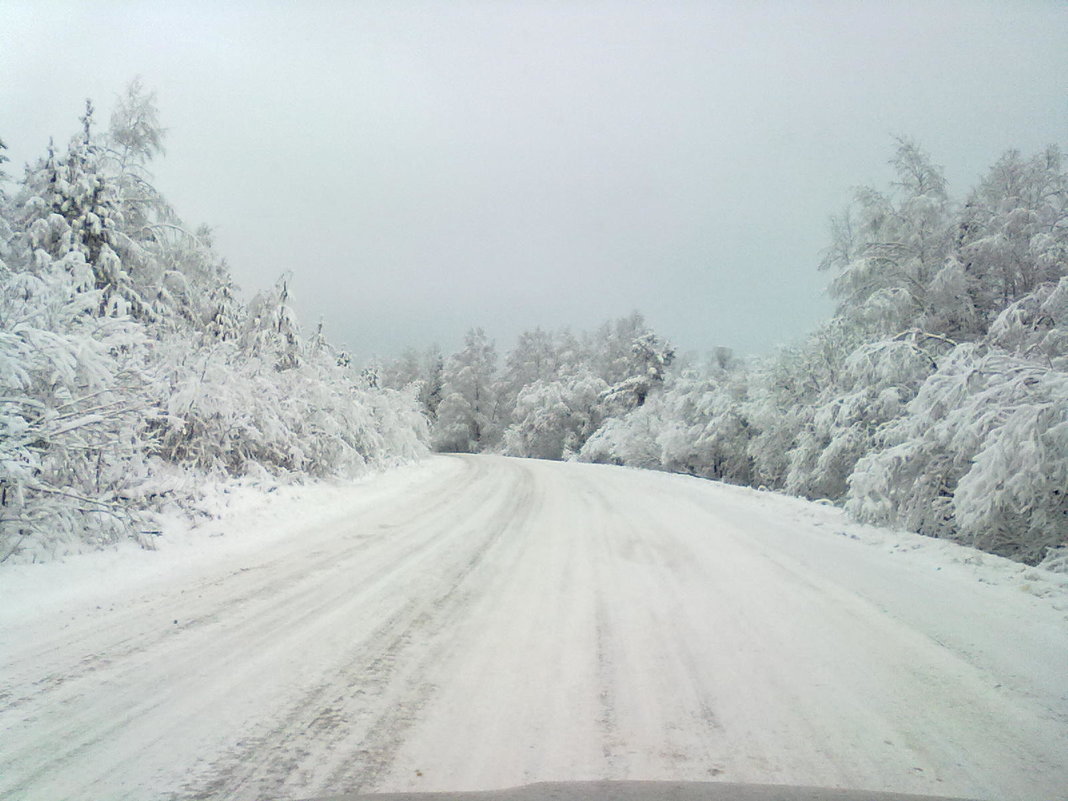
point(107, 642)
point(361, 712)
point(606, 719)
point(386, 734)
point(161, 672)
point(665, 667)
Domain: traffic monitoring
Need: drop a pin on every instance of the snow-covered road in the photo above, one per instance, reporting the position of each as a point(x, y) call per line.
point(480, 622)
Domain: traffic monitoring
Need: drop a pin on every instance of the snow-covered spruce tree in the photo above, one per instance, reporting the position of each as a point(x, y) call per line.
point(102, 188)
point(432, 384)
point(223, 316)
point(6, 213)
point(68, 204)
point(73, 409)
point(272, 332)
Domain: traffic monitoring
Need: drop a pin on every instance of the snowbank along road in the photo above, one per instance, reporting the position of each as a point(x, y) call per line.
point(481, 622)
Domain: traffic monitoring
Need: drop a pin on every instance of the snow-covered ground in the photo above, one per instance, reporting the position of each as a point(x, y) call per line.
point(480, 622)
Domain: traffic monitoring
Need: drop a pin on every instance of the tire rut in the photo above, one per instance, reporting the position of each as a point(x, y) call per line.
point(361, 713)
point(103, 653)
point(215, 641)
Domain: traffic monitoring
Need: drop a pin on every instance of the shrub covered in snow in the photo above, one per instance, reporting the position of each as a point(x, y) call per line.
point(981, 456)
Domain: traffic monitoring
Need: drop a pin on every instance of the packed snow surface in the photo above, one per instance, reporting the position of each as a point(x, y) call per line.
point(480, 622)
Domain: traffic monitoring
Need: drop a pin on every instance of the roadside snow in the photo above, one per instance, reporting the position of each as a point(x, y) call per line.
point(239, 519)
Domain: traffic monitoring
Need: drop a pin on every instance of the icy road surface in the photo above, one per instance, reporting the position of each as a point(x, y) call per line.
point(480, 622)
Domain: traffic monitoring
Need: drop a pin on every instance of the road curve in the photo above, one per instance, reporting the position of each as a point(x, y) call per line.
point(512, 621)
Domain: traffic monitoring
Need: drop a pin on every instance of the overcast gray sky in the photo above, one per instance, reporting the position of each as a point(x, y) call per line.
point(426, 167)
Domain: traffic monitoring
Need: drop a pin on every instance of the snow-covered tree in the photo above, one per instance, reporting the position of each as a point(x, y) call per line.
point(553, 418)
point(1036, 326)
point(405, 370)
point(70, 203)
point(1013, 232)
point(136, 136)
point(424, 372)
point(72, 409)
point(224, 315)
point(534, 358)
point(433, 383)
point(981, 456)
point(644, 371)
point(271, 330)
point(890, 248)
point(978, 454)
point(467, 416)
point(706, 431)
point(545, 396)
point(933, 400)
point(127, 360)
